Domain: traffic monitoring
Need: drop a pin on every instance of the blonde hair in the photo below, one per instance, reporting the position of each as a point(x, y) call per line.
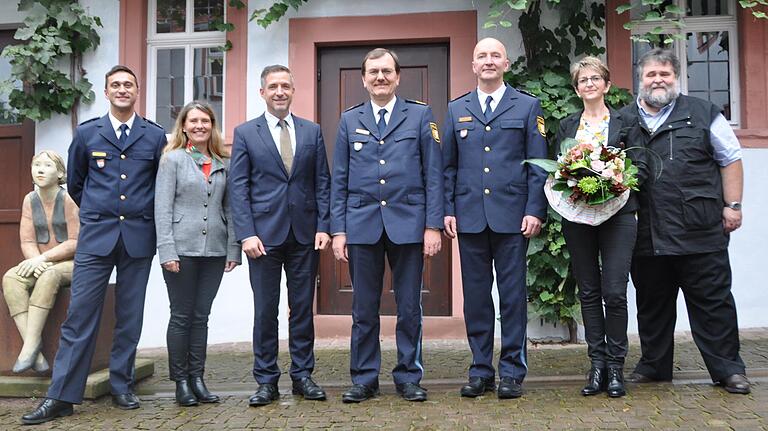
point(57, 161)
point(179, 139)
point(591, 63)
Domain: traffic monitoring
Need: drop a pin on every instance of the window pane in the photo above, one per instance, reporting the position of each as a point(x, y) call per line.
point(208, 83)
point(171, 16)
point(708, 68)
point(706, 7)
point(207, 11)
point(169, 86)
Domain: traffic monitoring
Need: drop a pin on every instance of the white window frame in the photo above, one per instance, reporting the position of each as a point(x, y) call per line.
point(701, 24)
point(188, 40)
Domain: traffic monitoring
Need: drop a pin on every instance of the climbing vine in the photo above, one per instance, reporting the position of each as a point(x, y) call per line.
point(55, 33)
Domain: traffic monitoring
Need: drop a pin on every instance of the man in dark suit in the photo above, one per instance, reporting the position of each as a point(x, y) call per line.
point(386, 200)
point(494, 203)
point(279, 192)
point(112, 165)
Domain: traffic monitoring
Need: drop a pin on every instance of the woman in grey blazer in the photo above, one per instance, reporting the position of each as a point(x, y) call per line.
point(195, 242)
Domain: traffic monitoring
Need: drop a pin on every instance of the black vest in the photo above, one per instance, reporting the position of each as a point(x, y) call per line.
point(681, 203)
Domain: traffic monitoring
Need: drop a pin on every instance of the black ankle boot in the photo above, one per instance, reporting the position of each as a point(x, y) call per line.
point(184, 395)
point(201, 392)
point(615, 381)
point(595, 381)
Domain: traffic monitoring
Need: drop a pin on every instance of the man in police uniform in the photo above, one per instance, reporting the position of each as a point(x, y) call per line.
point(112, 165)
point(684, 221)
point(386, 199)
point(494, 203)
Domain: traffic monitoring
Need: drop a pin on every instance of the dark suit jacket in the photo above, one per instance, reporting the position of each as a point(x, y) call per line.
point(265, 200)
point(622, 130)
point(508, 190)
point(391, 182)
point(110, 183)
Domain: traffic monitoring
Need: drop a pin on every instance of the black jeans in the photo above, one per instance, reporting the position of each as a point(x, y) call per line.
point(191, 292)
point(601, 257)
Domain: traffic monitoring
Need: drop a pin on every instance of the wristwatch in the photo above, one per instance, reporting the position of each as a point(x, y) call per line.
point(735, 205)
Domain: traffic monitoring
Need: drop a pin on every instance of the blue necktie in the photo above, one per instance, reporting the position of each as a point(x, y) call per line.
point(123, 139)
point(382, 124)
point(488, 111)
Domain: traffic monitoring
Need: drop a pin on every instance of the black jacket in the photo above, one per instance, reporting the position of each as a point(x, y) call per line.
point(623, 132)
point(681, 211)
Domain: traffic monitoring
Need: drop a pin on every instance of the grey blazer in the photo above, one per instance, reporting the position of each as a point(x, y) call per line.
point(192, 215)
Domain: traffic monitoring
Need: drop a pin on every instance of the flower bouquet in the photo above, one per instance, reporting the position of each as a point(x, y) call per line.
point(588, 183)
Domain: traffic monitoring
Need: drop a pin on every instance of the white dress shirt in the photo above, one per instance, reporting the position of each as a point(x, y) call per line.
point(389, 107)
point(116, 124)
point(497, 95)
point(274, 129)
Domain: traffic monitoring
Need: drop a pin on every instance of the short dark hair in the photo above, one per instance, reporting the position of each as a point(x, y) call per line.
point(378, 53)
point(661, 56)
point(274, 69)
point(119, 68)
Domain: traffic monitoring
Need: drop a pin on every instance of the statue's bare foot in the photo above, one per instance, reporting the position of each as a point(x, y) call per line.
point(41, 365)
point(26, 358)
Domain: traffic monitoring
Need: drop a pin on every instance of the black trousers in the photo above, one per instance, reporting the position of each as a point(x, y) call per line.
point(601, 257)
point(191, 292)
point(705, 280)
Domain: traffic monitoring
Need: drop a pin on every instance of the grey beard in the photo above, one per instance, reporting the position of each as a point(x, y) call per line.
point(662, 100)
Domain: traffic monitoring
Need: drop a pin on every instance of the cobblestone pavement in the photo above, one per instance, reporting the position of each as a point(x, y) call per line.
point(551, 399)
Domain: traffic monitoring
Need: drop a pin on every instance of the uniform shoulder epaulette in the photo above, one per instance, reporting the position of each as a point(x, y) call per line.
point(462, 96)
point(89, 121)
point(153, 123)
point(418, 102)
point(354, 106)
point(527, 93)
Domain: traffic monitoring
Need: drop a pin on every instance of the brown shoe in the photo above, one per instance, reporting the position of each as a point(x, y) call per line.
point(735, 384)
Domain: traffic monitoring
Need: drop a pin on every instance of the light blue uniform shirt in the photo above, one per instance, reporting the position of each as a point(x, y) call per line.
point(724, 142)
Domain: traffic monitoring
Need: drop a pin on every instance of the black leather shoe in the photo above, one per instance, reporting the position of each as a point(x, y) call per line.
point(265, 394)
point(201, 391)
point(636, 377)
point(509, 388)
point(735, 384)
point(359, 393)
point(615, 382)
point(308, 389)
point(127, 401)
point(595, 382)
point(47, 410)
point(411, 392)
point(477, 386)
point(184, 395)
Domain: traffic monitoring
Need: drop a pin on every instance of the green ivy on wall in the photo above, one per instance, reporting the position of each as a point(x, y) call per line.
point(55, 34)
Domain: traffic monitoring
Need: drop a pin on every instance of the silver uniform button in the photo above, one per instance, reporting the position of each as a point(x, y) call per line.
point(487, 128)
point(487, 191)
point(383, 203)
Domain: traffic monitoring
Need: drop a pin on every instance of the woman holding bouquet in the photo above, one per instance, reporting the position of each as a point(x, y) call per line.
point(601, 254)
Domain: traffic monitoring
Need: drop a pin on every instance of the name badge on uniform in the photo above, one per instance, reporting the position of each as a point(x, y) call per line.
point(100, 157)
point(465, 119)
point(463, 133)
point(362, 132)
point(358, 146)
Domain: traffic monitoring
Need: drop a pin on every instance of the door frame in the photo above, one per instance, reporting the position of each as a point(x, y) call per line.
point(459, 30)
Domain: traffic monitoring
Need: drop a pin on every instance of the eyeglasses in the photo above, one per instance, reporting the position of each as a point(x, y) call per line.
point(595, 80)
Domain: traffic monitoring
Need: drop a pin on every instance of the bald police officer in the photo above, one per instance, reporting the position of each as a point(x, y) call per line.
point(495, 204)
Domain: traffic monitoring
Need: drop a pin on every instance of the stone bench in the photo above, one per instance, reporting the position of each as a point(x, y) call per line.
point(11, 342)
